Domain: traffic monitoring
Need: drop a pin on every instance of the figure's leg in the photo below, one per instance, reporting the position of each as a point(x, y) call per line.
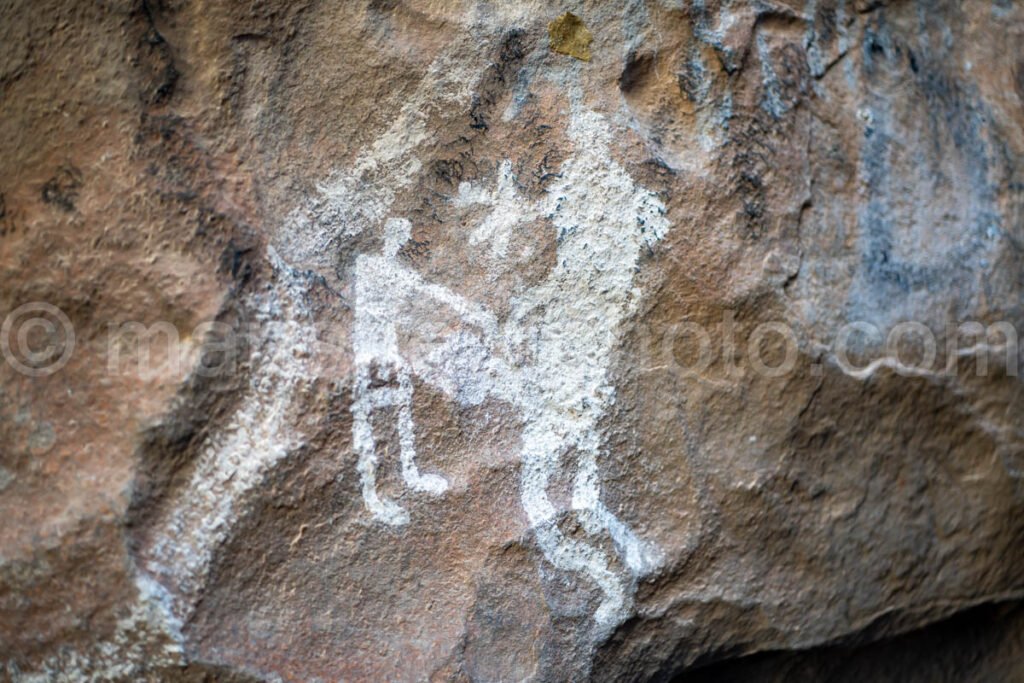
point(428, 483)
point(639, 556)
point(365, 447)
point(564, 553)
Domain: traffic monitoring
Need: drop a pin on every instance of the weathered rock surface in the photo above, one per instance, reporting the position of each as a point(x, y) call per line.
point(433, 404)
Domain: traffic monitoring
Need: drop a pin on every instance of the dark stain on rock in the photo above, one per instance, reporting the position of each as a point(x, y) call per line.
point(792, 75)
point(384, 5)
point(62, 189)
point(960, 156)
point(875, 46)
point(448, 171)
point(154, 60)
point(496, 79)
point(638, 66)
point(236, 259)
point(6, 224)
point(692, 79)
point(546, 169)
point(1018, 79)
point(168, 450)
point(825, 22)
point(751, 162)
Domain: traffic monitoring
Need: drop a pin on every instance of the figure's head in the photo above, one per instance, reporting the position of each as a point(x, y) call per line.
point(396, 234)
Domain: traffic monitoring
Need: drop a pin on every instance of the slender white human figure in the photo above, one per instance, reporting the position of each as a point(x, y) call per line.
point(383, 285)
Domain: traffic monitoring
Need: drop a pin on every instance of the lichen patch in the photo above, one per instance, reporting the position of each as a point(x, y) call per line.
point(570, 36)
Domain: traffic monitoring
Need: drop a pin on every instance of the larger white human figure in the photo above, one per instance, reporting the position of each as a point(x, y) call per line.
point(603, 222)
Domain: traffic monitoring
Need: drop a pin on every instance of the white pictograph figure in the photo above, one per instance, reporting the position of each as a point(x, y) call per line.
point(565, 332)
point(569, 326)
point(604, 222)
point(382, 376)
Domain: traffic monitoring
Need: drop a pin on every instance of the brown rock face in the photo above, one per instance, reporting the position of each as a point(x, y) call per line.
point(382, 340)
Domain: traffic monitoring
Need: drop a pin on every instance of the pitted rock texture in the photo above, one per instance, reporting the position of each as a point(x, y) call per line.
point(388, 320)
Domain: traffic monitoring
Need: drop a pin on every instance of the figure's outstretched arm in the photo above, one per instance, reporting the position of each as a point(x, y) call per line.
point(469, 311)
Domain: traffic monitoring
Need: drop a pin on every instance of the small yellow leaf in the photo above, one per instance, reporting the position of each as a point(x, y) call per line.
point(569, 36)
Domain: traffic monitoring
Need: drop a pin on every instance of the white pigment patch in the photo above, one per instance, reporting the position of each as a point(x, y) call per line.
point(359, 199)
point(234, 462)
point(509, 210)
point(147, 638)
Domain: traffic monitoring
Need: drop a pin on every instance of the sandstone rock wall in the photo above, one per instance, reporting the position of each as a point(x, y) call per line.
point(378, 340)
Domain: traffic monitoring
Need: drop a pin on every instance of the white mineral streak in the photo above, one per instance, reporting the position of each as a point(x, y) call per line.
point(142, 640)
point(359, 199)
point(174, 567)
point(235, 460)
point(931, 369)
